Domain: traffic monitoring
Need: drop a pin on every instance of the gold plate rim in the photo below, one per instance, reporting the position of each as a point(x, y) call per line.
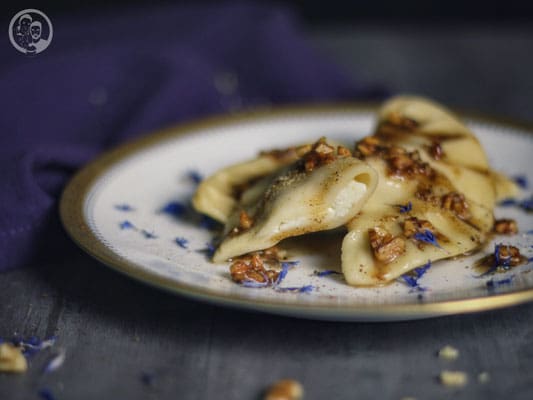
point(72, 217)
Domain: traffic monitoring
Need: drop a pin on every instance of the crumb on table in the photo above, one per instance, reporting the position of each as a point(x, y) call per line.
point(483, 377)
point(453, 378)
point(12, 359)
point(448, 353)
point(285, 389)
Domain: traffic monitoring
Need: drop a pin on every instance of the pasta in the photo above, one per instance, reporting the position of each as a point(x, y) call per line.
point(419, 189)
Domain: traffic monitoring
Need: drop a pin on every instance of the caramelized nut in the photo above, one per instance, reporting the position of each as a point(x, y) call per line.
point(251, 268)
point(505, 227)
point(386, 247)
point(322, 153)
point(413, 225)
point(456, 202)
point(396, 119)
point(368, 146)
point(245, 221)
point(285, 389)
point(435, 151)
point(343, 151)
point(510, 255)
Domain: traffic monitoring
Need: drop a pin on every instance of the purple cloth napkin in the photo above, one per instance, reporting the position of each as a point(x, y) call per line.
point(108, 78)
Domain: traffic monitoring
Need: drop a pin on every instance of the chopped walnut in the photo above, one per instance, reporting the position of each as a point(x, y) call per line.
point(424, 193)
point(343, 151)
point(368, 146)
point(321, 153)
point(456, 202)
point(412, 225)
point(505, 227)
point(386, 247)
point(398, 120)
point(245, 221)
point(272, 255)
point(252, 268)
point(12, 359)
point(510, 255)
point(400, 161)
point(287, 155)
point(285, 389)
point(435, 151)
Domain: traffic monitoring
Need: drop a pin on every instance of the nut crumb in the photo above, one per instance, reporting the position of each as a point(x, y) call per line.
point(285, 389)
point(456, 203)
point(245, 220)
point(505, 227)
point(12, 359)
point(386, 247)
point(448, 353)
point(453, 378)
point(483, 377)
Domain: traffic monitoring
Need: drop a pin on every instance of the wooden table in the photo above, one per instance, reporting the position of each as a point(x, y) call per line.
point(124, 340)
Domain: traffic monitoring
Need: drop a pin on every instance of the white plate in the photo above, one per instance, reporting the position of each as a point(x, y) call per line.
point(152, 172)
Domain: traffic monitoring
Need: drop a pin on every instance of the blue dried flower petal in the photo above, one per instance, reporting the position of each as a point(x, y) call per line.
point(148, 235)
point(282, 274)
point(209, 250)
point(491, 284)
point(182, 242)
point(306, 289)
point(16, 340)
point(254, 284)
point(411, 281)
point(326, 273)
point(147, 378)
point(124, 207)
point(126, 225)
point(507, 203)
point(428, 237)
point(290, 264)
point(33, 341)
point(420, 271)
point(527, 204)
point(521, 180)
point(194, 176)
point(46, 394)
point(208, 223)
point(405, 208)
point(174, 208)
point(299, 289)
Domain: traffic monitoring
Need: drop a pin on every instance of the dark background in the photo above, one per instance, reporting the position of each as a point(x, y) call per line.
point(320, 12)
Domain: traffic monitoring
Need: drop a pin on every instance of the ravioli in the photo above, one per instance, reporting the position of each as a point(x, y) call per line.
point(217, 196)
point(419, 189)
point(427, 159)
point(322, 191)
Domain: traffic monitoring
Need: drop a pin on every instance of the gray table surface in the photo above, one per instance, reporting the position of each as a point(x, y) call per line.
point(115, 329)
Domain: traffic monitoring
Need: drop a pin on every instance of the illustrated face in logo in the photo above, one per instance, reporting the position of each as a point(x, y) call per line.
point(25, 22)
point(35, 29)
point(30, 31)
